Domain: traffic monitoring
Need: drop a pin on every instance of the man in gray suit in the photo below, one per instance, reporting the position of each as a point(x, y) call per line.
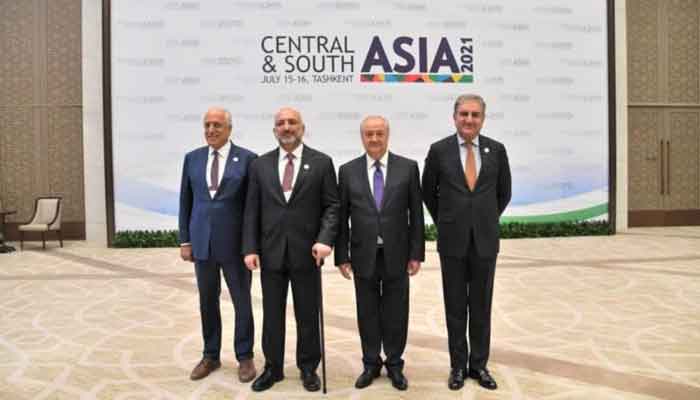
point(466, 188)
point(380, 195)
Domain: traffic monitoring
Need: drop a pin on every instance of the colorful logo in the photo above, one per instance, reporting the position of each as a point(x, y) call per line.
point(418, 60)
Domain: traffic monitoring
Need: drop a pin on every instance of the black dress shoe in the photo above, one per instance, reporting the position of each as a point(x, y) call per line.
point(310, 381)
point(456, 380)
point(484, 378)
point(266, 380)
point(398, 380)
point(366, 378)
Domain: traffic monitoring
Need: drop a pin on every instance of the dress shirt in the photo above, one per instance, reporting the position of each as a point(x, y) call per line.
point(283, 164)
point(223, 156)
point(463, 152)
point(384, 166)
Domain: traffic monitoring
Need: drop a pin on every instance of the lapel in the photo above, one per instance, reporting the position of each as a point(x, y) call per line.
point(362, 174)
point(274, 173)
point(485, 153)
point(231, 164)
point(305, 167)
point(455, 160)
point(391, 175)
point(201, 168)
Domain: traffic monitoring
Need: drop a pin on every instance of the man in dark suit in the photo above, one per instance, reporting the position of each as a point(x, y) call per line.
point(212, 196)
point(291, 221)
point(380, 195)
point(466, 187)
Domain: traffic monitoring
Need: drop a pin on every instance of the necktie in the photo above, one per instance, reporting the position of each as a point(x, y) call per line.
point(288, 173)
point(470, 166)
point(378, 184)
point(214, 174)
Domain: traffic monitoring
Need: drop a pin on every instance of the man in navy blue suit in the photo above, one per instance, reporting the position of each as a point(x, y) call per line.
point(212, 199)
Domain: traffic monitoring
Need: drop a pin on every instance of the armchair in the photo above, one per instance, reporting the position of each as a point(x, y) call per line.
point(47, 217)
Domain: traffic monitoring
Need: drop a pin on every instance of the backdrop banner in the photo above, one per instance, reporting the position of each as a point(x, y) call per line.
point(540, 65)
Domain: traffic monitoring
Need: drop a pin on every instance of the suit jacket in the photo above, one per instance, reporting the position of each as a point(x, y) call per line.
point(213, 225)
point(399, 221)
point(459, 212)
point(273, 225)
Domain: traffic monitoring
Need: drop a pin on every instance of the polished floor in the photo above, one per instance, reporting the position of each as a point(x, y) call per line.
point(574, 318)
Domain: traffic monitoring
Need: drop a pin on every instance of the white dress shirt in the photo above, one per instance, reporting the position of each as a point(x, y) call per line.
point(463, 152)
point(223, 156)
point(282, 164)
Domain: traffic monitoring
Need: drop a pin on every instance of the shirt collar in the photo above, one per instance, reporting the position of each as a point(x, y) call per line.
point(297, 153)
point(223, 150)
point(383, 160)
point(475, 142)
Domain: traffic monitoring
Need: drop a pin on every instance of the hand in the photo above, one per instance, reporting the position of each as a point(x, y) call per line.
point(345, 270)
point(320, 251)
point(252, 261)
point(413, 267)
point(186, 252)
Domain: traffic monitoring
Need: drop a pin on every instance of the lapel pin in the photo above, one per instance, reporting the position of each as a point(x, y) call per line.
point(486, 150)
point(306, 166)
point(235, 159)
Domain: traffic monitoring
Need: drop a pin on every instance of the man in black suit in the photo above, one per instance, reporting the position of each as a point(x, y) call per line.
point(213, 189)
point(466, 187)
point(290, 224)
point(380, 195)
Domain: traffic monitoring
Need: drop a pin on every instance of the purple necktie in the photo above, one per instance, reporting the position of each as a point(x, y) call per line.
point(214, 174)
point(378, 184)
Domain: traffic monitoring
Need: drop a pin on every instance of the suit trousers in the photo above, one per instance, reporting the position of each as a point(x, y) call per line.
point(238, 279)
point(382, 315)
point(468, 291)
point(305, 294)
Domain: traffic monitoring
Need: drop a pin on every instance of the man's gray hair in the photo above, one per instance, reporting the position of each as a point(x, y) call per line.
point(470, 97)
point(227, 114)
point(229, 119)
point(367, 118)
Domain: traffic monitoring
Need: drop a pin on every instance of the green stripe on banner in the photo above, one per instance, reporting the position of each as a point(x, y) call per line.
point(569, 216)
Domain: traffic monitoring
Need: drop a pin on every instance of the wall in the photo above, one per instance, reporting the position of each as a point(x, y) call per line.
point(41, 109)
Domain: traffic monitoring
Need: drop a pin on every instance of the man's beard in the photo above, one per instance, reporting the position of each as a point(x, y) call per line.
point(288, 139)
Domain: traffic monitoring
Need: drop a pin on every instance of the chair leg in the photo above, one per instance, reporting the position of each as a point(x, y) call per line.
point(43, 240)
point(60, 237)
point(21, 240)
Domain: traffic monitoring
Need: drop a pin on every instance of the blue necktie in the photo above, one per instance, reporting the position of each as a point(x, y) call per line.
point(378, 184)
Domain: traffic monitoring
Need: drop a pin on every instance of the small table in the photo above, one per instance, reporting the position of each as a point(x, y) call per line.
point(3, 247)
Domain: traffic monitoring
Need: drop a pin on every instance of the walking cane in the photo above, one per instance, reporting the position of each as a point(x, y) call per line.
point(320, 320)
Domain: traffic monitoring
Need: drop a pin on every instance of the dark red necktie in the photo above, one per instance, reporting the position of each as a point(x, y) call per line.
point(288, 173)
point(214, 174)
